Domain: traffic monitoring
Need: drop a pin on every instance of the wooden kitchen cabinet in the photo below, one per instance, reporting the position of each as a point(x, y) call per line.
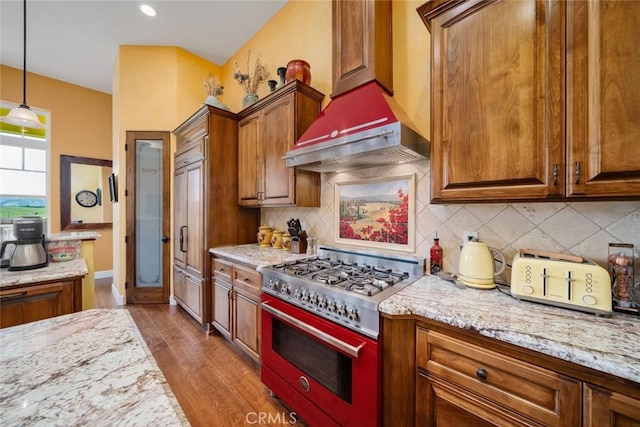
point(463, 384)
point(500, 102)
point(362, 45)
point(605, 408)
point(206, 213)
point(447, 376)
point(39, 301)
point(603, 100)
point(188, 291)
point(236, 302)
point(266, 131)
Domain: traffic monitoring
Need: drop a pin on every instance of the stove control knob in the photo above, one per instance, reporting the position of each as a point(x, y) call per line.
point(342, 310)
point(305, 295)
point(298, 293)
point(272, 284)
point(322, 302)
point(331, 306)
point(353, 314)
point(314, 298)
point(284, 288)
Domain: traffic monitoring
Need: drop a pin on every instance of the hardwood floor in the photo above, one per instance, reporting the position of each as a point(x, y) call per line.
point(215, 384)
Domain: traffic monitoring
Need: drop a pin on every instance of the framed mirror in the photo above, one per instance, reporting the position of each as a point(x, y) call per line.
point(84, 189)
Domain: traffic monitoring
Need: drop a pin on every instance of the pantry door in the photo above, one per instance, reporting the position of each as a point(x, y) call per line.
point(148, 217)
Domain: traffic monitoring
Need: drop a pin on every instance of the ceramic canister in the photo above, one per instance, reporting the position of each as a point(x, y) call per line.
point(286, 241)
point(276, 239)
point(264, 235)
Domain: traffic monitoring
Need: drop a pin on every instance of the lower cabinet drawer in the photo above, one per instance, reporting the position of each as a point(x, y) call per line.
point(539, 394)
point(250, 281)
point(440, 403)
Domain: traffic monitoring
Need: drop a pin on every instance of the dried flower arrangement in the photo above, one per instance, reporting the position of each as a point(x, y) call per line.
point(250, 82)
point(213, 86)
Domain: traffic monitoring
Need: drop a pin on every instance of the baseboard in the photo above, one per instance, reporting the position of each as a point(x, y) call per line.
point(103, 274)
point(172, 300)
point(119, 299)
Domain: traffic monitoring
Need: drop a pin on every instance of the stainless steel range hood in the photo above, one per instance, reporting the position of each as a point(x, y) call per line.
point(358, 129)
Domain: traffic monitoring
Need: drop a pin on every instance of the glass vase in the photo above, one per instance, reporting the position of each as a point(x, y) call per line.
point(249, 98)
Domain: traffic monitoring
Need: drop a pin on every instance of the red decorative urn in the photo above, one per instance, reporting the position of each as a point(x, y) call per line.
point(297, 69)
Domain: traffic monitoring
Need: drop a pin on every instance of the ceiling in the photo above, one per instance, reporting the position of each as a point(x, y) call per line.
point(77, 41)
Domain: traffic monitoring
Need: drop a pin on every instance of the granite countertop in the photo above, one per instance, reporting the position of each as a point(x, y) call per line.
point(54, 271)
point(86, 368)
point(607, 344)
point(255, 255)
point(73, 235)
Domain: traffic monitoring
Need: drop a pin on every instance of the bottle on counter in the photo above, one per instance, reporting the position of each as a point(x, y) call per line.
point(435, 257)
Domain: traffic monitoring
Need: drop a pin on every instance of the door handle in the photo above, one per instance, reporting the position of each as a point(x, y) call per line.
point(182, 238)
point(164, 239)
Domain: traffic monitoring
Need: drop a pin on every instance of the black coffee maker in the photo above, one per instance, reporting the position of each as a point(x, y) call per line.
point(30, 250)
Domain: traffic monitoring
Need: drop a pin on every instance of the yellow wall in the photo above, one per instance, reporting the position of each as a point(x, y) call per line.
point(80, 126)
point(302, 30)
point(154, 89)
point(157, 88)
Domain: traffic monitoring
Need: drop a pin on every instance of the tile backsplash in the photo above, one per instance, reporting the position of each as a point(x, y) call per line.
point(579, 228)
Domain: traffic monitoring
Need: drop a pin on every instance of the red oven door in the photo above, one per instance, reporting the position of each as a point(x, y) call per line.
point(313, 364)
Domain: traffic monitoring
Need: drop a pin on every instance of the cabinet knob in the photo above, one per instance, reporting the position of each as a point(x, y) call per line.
point(481, 373)
point(246, 280)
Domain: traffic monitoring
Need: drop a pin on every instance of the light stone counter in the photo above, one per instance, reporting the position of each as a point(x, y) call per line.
point(609, 345)
point(73, 235)
point(87, 368)
point(254, 255)
point(54, 271)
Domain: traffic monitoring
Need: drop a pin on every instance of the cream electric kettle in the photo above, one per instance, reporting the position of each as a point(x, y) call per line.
point(476, 268)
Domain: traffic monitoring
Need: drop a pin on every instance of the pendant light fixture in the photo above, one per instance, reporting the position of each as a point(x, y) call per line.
point(22, 115)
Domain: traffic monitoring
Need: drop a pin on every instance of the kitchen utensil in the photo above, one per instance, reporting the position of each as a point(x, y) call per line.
point(561, 280)
point(450, 277)
point(476, 267)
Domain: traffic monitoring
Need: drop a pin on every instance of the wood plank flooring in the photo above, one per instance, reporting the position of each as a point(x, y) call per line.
point(215, 383)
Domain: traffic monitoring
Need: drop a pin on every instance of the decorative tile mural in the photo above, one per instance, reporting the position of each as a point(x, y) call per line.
point(579, 228)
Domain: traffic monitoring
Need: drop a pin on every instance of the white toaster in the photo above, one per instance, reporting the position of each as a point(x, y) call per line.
point(563, 280)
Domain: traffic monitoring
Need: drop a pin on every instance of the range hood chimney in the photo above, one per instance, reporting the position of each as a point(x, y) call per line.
point(358, 129)
point(362, 126)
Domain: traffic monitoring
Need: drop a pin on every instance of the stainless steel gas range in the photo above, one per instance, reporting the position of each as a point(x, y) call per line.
point(320, 326)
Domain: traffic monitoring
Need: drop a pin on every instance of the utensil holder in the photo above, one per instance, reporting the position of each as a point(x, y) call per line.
point(299, 246)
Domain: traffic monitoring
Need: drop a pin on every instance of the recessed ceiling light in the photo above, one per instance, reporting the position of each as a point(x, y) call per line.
point(148, 10)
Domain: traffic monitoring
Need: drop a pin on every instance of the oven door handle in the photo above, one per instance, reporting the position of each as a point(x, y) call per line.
point(317, 333)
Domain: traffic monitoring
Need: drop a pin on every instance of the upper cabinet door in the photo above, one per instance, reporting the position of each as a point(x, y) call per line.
point(497, 101)
point(603, 105)
point(249, 173)
point(362, 44)
point(277, 138)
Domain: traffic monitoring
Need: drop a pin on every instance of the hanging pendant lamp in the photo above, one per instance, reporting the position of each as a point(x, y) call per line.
point(22, 115)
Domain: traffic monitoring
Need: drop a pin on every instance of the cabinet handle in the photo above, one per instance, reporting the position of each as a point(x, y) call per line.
point(13, 296)
point(481, 373)
point(182, 238)
point(577, 172)
point(221, 270)
point(555, 174)
point(246, 280)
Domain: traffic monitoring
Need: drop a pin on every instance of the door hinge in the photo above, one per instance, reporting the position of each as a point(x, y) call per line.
point(126, 239)
point(126, 192)
point(126, 147)
point(126, 285)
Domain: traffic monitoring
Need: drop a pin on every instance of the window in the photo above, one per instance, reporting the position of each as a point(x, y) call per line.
point(24, 168)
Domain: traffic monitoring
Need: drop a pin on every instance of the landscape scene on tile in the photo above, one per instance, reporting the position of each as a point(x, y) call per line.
point(375, 212)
